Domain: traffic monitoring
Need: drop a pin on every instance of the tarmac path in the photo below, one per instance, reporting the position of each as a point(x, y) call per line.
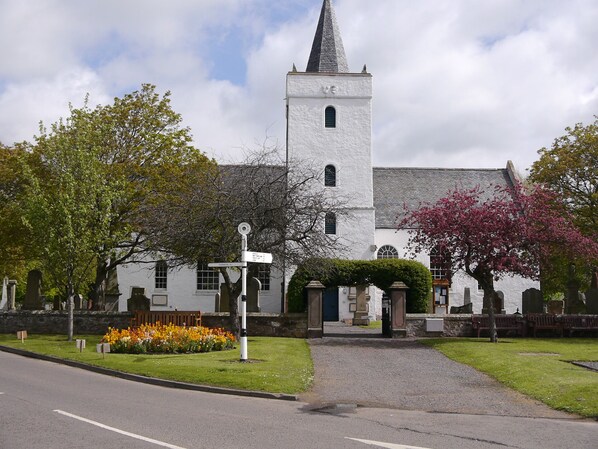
point(405, 374)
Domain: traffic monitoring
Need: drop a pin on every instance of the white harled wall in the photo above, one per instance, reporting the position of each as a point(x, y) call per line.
point(511, 286)
point(182, 292)
point(348, 146)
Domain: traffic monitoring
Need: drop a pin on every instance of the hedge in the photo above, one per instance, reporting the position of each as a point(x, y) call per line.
point(381, 273)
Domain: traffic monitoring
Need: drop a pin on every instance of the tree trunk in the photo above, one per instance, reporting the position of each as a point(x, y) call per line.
point(489, 298)
point(70, 306)
point(234, 290)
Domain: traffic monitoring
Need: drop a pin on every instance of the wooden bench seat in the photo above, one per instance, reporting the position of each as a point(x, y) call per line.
point(178, 318)
point(544, 321)
point(502, 322)
point(572, 323)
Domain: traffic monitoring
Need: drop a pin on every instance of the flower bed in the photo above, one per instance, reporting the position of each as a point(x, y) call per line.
point(160, 338)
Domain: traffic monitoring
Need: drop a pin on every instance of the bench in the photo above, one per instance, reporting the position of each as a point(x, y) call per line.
point(544, 321)
point(178, 318)
point(502, 322)
point(573, 323)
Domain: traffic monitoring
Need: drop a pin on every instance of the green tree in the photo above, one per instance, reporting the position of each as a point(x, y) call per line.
point(14, 237)
point(570, 168)
point(64, 199)
point(143, 149)
point(277, 199)
point(105, 165)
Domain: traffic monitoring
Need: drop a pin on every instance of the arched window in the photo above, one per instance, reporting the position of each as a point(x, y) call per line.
point(330, 176)
point(387, 252)
point(330, 223)
point(330, 117)
point(161, 275)
point(440, 262)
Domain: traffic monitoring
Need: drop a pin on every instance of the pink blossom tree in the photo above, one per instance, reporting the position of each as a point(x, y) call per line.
point(491, 234)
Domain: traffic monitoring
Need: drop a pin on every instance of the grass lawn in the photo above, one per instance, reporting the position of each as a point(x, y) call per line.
point(276, 365)
point(536, 367)
point(373, 325)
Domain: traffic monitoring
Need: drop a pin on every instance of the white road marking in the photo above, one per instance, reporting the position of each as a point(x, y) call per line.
point(387, 445)
point(122, 432)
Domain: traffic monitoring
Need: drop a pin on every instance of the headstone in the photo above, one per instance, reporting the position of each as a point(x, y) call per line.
point(4, 299)
point(555, 307)
point(465, 308)
point(253, 295)
point(138, 300)
point(12, 294)
point(592, 301)
point(361, 314)
point(57, 304)
point(78, 300)
point(573, 300)
point(467, 296)
point(499, 301)
point(224, 301)
point(34, 291)
point(217, 302)
point(532, 301)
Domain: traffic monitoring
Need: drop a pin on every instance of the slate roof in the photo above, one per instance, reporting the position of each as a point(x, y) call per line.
point(395, 187)
point(327, 52)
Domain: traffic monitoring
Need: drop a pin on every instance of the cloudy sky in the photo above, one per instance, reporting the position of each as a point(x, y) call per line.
point(457, 83)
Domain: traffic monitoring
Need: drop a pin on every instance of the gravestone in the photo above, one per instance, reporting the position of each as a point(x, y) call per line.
point(499, 303)
point(467, 296)
point(80, 303)
point(573, 299)
point(224, 299)
point(532, 301)
point(592, 301)
point(360, 316)
point(555, 307)
point(34, 291)
point(465, 308)
point(4, 300)
point(253, 295)
point(11, 294)
point(217, 302)
point(138, 300)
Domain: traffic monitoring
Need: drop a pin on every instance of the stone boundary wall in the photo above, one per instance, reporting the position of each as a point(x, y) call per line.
point(97, 323)
point(454, 326)
point(292, 325)
point(56, 322)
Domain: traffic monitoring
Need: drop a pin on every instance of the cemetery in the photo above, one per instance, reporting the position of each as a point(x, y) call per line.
point(576, 315)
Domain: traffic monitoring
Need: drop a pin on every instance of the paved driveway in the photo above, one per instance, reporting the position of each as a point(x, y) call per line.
point(405, 374)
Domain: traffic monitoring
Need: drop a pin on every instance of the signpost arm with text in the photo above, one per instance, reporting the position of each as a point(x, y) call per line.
point(246, 256)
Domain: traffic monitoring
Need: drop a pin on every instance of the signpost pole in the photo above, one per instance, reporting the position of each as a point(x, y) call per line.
point(243, 295)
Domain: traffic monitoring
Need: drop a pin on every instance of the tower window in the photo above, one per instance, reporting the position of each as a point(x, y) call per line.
point(330, 117)
point(161, 275)
point(330, 223)
point(330, 176)
point(387, 252)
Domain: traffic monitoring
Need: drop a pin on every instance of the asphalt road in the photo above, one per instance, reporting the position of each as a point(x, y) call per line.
point(47, 405)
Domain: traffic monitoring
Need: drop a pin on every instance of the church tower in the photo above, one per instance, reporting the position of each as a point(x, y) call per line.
point(329, 124)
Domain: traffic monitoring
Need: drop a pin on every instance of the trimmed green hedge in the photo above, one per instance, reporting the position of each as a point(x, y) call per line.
point(381, 273)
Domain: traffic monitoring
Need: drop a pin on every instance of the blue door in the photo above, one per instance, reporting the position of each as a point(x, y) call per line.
point(330, 306)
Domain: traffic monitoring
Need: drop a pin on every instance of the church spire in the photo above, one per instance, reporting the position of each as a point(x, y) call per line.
point(327, 52)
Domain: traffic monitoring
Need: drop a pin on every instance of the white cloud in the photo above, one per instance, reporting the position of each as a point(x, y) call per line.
point(456, 82)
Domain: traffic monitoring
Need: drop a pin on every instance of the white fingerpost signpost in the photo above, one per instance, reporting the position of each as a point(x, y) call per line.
point(246, 256)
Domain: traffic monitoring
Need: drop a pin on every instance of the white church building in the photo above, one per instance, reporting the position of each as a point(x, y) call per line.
point(329, 123)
